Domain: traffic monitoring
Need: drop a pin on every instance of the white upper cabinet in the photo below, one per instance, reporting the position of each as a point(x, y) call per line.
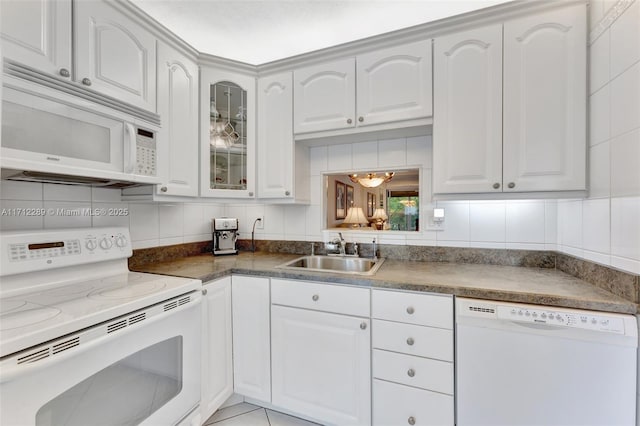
point(325, 96)
point(228, 134)
point(394, 84)
point(545, 101)
point(178, 108)
point(114, 54)
point(467, 128)
point(524, 130)
point(38, 33)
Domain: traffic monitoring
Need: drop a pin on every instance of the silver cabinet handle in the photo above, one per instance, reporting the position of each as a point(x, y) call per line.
point(411, 420)
point(287, 193)
point(204, 291)
point(315, 297)
point(410, 341)
point(86, 81)
point(511, 185)
point(251, 194)
point(64, 72)
point(361, 119)
point(349, 121)
point(410, 310)
point(363, 325)
point(411, 372)
point(163, 189)
point(496, 185)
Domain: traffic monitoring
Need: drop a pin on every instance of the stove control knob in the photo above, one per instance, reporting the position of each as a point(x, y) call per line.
point(91, 244)
point(121, 241)
point(106, 243)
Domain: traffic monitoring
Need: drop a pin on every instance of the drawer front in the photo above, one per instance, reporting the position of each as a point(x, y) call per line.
point(410, 370)
point(413, 308)
point(397, 405)
point(413, 339)
point(321, 297)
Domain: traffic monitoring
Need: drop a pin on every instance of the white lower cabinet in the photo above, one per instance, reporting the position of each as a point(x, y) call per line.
point(321, 362)
point(217, 368)
point(251, 337)
point(396, 405)
point(413, 371)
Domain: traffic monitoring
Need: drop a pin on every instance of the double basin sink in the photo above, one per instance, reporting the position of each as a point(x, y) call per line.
point(335, 264)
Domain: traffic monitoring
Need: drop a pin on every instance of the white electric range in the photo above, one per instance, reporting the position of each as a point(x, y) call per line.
point(73, 318)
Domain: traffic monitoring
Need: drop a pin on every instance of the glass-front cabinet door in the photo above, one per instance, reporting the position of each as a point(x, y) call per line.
point(228, 134)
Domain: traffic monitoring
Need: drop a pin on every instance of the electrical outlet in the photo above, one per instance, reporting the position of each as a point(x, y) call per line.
point(260, 223)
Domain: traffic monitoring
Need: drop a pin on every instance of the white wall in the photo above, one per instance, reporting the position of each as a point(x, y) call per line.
point(605, 228)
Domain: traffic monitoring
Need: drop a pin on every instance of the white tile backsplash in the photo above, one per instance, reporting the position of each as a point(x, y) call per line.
point(599, 171)
point(599, 125)
point(19, 215)
point(193, 220)
point(625, 154)
point(144, 221)
point(170, 220)
point(365, 156)
point(625, 101)
point(11, 190)
point(318, 160)
point(625, 227)
point(625, 40)
point(487, 222)
point(599, 75)
point(595, 229)
point(570, 223)
point(525, 222)
point(66, 214)
point(456, 222)
point(339, 157)
point(419, 150)
point(393, 152)
point(53, 192)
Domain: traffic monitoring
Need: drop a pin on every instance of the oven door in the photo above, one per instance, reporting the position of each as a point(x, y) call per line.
point(143, 371)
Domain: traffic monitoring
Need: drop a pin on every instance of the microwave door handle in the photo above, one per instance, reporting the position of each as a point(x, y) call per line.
point(130, 159)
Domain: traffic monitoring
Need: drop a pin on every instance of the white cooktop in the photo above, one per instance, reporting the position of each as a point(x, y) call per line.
point(39, 306)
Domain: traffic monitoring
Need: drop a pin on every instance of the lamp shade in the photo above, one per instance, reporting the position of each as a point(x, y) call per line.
point(380, 214)
point(355, 216)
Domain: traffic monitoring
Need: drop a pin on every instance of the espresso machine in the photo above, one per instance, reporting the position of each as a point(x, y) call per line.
point(225, 235)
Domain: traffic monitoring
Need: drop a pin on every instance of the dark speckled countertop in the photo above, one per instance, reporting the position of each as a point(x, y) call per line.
point(507, 283)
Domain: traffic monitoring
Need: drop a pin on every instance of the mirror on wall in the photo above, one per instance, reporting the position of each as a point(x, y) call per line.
point(394, 205)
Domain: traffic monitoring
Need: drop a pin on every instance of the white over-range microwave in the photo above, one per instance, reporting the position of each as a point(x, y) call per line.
point(55, 132)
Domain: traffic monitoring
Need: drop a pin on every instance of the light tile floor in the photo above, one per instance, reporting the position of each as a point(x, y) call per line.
point(245, 414)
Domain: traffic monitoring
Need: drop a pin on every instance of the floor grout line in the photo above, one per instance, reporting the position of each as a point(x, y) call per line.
point(233, 417)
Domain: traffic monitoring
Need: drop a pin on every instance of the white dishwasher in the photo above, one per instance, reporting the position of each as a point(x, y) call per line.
point(536, 365)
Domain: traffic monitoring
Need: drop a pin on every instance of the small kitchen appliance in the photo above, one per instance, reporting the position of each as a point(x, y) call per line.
point(225, 235)
point(84, 339)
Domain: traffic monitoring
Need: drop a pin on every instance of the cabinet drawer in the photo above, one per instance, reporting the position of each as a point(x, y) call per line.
point(410, 370)
point(397, 405)
point(413, 308)
point(413, 339)
point(321, 297)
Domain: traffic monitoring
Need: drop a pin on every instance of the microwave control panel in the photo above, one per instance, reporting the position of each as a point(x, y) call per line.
point(146, 153)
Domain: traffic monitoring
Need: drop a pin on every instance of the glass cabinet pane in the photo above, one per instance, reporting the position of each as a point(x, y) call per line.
point(228, 136)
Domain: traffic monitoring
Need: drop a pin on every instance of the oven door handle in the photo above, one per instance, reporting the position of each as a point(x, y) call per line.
point(10, 370)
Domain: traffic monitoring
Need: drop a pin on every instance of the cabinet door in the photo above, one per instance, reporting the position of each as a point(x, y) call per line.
point(114, 54)
point(545, 101)
point(324, 96)
point(275, 136)
point(217, 367)
point(395, 84)
point(321, 365)
point(467, 121)
point(227, 138)
point(251, 338)
point(178, 108)
point(37, 33)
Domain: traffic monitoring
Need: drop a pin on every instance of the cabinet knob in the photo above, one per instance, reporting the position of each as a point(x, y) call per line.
point(86, 81)
point(411, 372)
point(287, 193)
point(204, 291)
point(361, 119)
point(315, 297)
point(496, 185)
point(511, 185)
point(163, 189)
point(410, 341)
point(64, 72)
point(363, 325)
point(410, 310)
point(411, 420)
point(251, 194)
point(349, 121)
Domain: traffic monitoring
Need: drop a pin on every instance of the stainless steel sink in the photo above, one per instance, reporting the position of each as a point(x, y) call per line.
point(336, 264)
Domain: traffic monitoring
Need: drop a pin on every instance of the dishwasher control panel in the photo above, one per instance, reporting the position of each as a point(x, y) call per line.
point(584, 320)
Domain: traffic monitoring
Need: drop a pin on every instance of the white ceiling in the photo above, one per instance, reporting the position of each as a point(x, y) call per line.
point(261, 31)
